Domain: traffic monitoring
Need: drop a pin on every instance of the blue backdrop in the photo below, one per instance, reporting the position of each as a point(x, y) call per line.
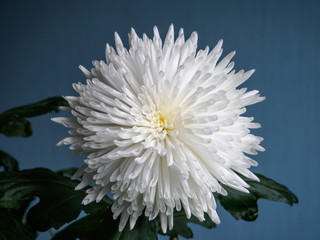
point(43, 42)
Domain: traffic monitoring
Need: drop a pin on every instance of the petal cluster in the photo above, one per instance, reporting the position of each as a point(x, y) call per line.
point(161, 125)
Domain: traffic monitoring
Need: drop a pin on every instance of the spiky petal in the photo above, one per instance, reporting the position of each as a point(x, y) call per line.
point(162, 128)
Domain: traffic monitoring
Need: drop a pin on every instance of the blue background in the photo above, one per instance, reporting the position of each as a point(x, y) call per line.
point(43, 42)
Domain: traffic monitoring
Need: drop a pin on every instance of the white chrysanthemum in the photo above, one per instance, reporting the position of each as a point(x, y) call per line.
point(162, 127)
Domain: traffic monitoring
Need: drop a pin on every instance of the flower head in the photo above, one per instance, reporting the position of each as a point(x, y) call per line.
point(162, 129)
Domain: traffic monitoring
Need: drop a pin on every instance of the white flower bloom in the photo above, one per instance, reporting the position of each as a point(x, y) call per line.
point(162, 127)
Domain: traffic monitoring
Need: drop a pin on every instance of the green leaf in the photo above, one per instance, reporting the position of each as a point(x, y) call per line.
point(11, 227)
point(18, 207)
point(8, 162)
point(143, 230)
point(13, 122)
point(103, 227)
point(181, 228)
point(15, 126)
point(82, 229)
point(11, 165)
point(244, 205)
point(271, 190)
point(59, 202)
point(89, 226)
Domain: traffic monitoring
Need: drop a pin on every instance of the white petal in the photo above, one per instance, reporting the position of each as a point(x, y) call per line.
point(162, 128)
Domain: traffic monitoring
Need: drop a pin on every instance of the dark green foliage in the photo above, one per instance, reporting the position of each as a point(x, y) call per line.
point(59, 203)
point(11, 227)
point(103, 227)
point(82, 229)
point(100, 226)
point(13, 122)
point(8, 162)
point(143, 230)
point(11, 165)
point(181, 228)
point(244, 205)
